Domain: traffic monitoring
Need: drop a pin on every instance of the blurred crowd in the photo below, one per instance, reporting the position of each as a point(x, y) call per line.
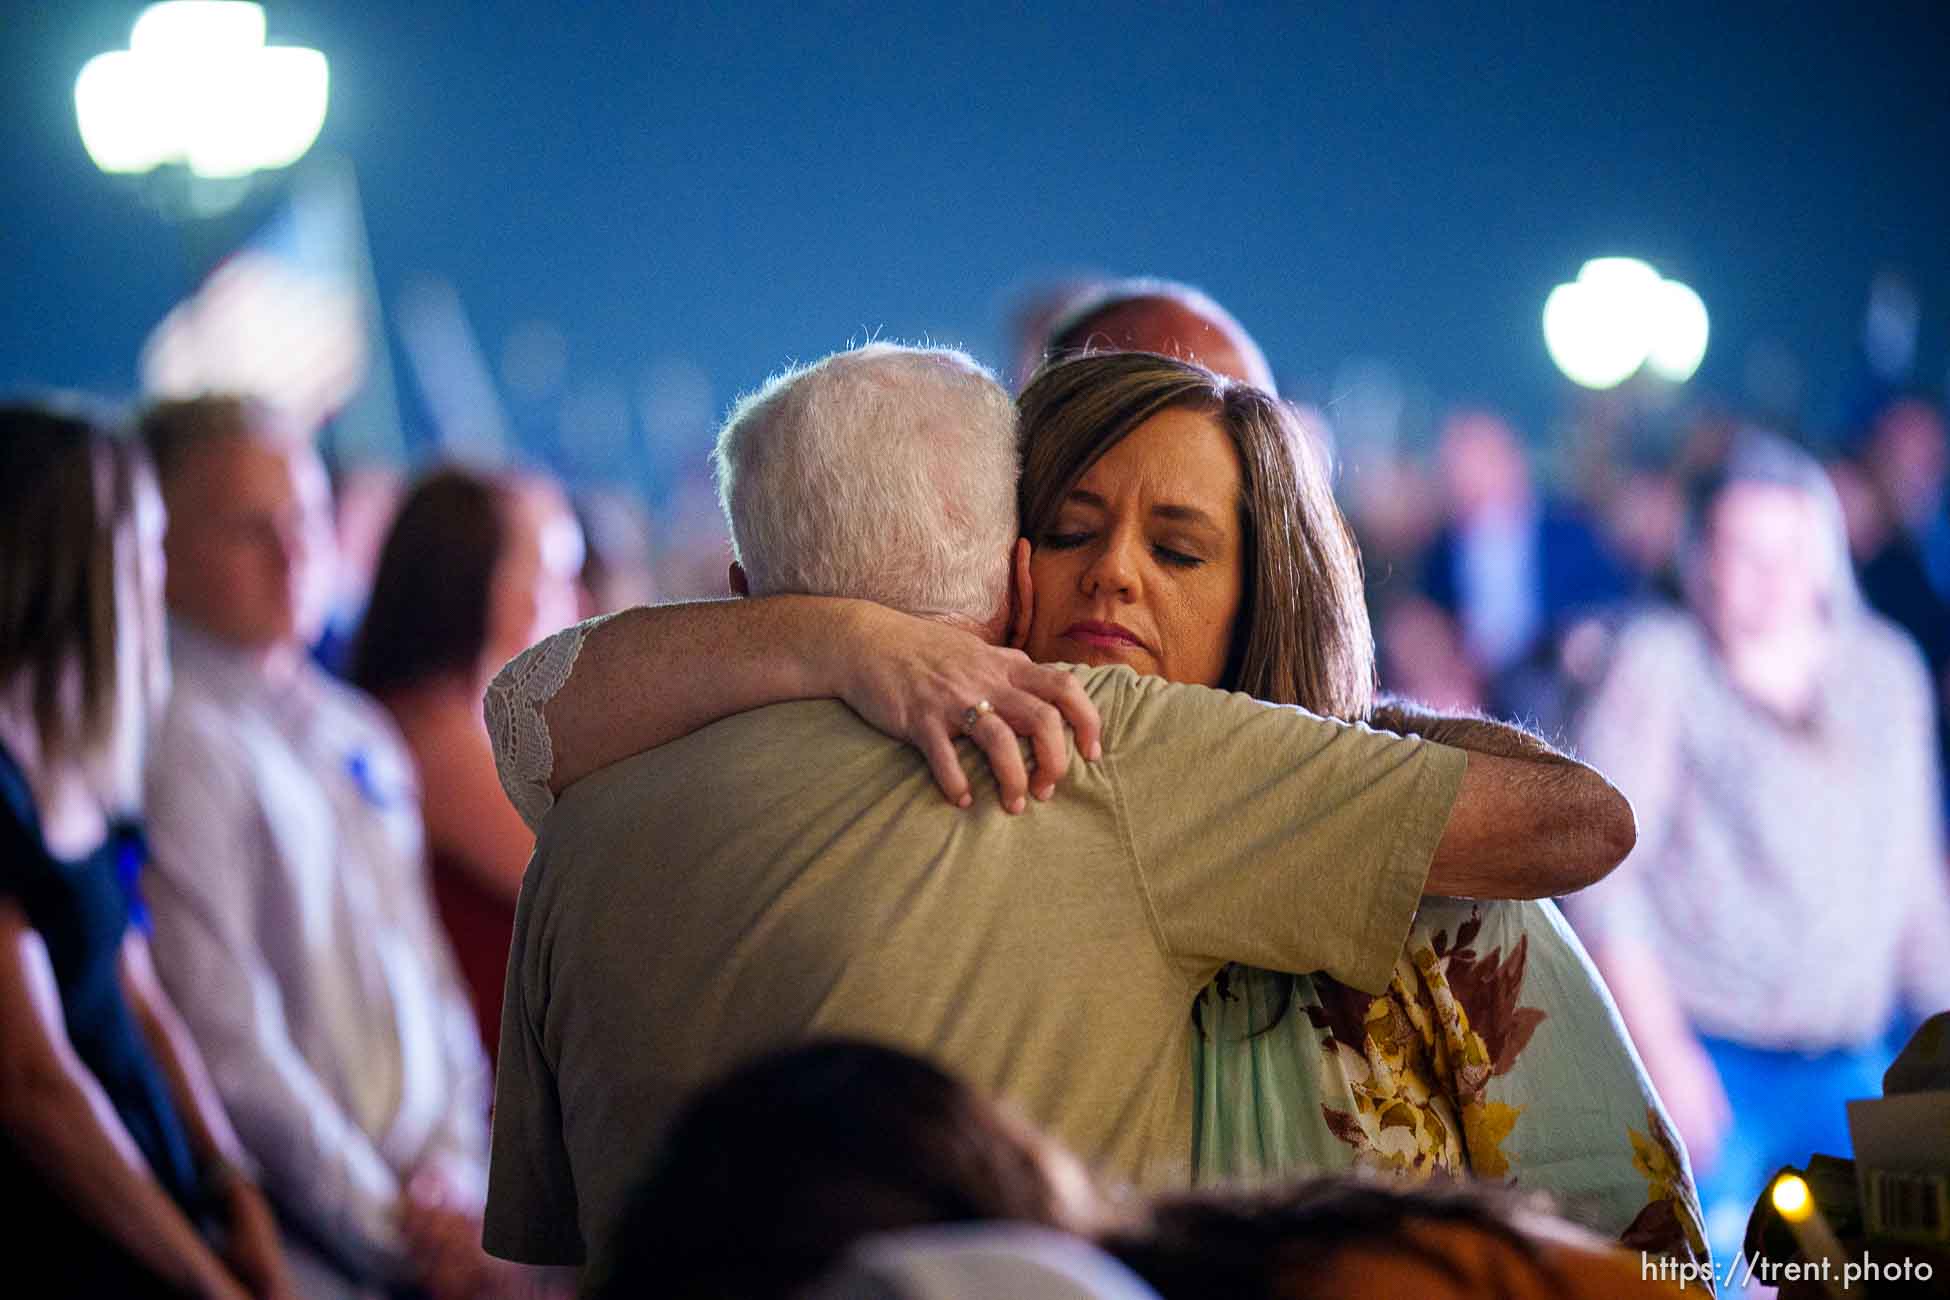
point(259, 877)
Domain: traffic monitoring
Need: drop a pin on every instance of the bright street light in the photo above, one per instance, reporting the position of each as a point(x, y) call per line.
point(199, 87)
point(1679, 343)
point(1620, 315)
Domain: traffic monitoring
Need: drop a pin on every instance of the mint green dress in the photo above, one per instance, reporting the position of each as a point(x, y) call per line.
point(1495, 1052)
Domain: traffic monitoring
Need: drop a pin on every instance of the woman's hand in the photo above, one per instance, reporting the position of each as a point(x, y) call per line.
point(916, 679)
point(443, 1227)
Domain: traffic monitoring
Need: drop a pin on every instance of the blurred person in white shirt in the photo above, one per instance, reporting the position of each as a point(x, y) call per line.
point(292, 920)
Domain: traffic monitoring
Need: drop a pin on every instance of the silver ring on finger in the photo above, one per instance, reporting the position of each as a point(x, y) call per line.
point(973, 715)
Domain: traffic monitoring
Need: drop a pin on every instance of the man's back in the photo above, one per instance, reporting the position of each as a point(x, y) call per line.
point(790, 872)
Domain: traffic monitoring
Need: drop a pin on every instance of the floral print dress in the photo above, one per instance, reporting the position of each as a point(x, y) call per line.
point(1495, 1052)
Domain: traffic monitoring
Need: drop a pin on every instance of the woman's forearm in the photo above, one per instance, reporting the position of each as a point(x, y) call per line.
point(1529, 821)
point(608, 689)
point(55, 1112)
point(69, 1130)
point(1473, 732)
point(650, 675)
point(212, 1139)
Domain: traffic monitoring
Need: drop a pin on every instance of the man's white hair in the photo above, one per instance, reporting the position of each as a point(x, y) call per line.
point(886, 473)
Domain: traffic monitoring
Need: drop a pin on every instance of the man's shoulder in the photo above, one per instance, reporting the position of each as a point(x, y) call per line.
point(1871, 637)
point(1122, 685)
point(201, 722)
point(353, 708)
point(1131, 703)
point(774, 732)
point(203, 777)
point(1109, 684)
point(804, 738)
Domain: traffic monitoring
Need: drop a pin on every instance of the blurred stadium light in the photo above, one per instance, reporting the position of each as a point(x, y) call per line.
point(1620, 315)
point(1678, 333)
point(199, 87)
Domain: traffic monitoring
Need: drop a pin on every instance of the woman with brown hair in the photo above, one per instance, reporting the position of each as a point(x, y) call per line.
point(121, 1173)
point(1180, 525)
point(476, 568)
point(1298, 629)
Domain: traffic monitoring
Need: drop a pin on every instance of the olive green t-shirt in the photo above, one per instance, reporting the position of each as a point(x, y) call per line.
point(790, 872)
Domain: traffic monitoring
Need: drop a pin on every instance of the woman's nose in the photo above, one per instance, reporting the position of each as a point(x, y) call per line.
point(1114, 569)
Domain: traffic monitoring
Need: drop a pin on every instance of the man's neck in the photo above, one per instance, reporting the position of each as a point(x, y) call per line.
point(276, 662)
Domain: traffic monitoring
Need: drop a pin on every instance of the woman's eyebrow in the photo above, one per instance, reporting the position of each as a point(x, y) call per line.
point(1185, 514)
point(1171, 511)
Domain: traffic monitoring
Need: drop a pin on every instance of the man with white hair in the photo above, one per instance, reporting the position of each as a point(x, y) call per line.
point(790, 872)
point(835, 478)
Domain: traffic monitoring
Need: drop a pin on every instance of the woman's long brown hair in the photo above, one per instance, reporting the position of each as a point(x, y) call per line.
point(1302, 636)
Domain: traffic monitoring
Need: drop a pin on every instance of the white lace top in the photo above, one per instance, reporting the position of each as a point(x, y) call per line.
point(524, 756)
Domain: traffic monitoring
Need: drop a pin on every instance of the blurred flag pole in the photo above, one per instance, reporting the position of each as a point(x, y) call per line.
point(288, 312)
point(452, 374)
point(368, 428)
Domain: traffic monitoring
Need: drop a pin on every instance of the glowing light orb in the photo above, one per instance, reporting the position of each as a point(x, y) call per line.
point(1679, 341)
point(1619, 316)
point(1791, 1197)
point(198, 86)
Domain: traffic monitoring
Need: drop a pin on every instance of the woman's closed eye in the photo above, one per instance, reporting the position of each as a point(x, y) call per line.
point(1071, 539)
point(1176, 558)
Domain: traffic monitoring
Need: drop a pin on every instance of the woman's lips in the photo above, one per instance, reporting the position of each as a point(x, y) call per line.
point(1108, 636)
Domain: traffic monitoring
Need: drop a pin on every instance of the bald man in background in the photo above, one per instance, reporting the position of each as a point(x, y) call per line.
point(1144, 314)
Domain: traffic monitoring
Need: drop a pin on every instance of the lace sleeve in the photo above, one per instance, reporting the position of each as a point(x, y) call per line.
point(524, 756)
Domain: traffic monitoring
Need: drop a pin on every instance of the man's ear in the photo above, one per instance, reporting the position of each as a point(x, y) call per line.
point(1023, 592)
point(739, 585)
